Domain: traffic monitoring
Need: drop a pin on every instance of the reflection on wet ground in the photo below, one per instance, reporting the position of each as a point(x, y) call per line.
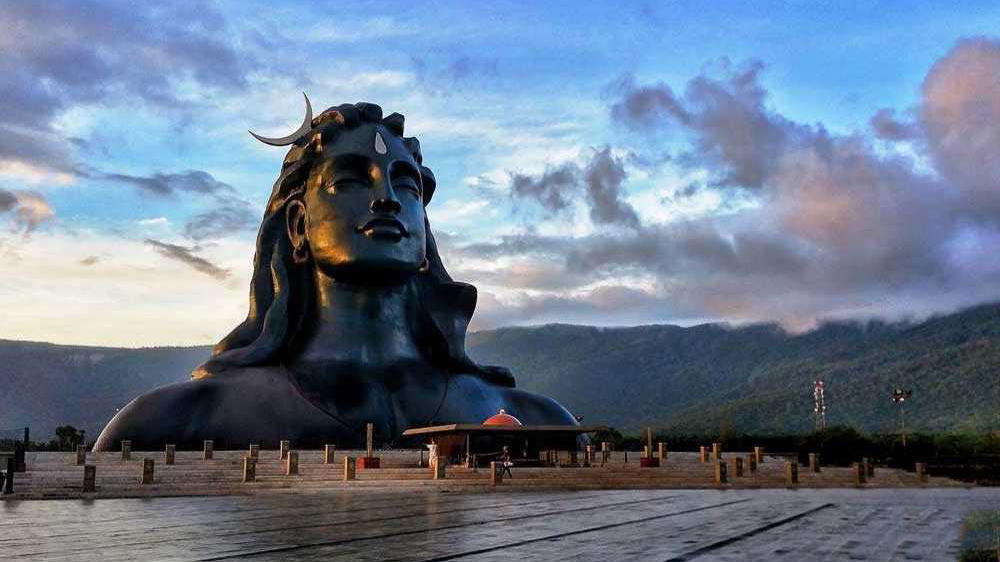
point(801, 525)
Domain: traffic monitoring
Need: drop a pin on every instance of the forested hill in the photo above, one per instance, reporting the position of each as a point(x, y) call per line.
point(702, 378)
point(759, 378)
point(43, 385)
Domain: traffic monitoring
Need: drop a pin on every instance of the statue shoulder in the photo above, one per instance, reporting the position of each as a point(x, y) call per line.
point(536, 409)
point(528, 407)
point(169, 414)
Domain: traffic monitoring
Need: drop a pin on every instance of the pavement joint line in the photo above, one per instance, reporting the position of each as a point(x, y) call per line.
point(439, 528)
point(698, 552)
point(579, 532)
point(317, 525)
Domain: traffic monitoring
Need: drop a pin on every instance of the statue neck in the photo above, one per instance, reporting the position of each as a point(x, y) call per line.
point(360, 323)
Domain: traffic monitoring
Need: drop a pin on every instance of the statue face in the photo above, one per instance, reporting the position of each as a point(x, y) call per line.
point(364, 205)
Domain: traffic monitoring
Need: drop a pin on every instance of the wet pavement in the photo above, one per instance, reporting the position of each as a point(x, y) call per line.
point(657, 525)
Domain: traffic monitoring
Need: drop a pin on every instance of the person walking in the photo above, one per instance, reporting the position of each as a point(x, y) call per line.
point(505, 462)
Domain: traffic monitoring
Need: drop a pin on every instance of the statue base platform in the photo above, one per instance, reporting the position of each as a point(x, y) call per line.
point(649, 462)
point(368, 462)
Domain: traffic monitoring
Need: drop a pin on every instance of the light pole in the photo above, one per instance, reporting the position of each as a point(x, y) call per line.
point(899, 396)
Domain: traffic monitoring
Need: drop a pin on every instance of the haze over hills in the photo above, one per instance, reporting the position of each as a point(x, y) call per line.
point(703, 378)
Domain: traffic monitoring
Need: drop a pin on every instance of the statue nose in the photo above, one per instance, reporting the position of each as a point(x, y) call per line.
point(390, 206)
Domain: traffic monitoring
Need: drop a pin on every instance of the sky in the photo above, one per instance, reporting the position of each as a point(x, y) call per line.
point(612, 163)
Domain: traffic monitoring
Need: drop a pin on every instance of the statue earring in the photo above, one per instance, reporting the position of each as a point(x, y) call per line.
point(299, 254)
point(425, 266)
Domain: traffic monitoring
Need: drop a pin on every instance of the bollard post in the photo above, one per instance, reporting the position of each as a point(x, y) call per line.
point(329, 451)
point(19, 452)
point(126, 450)
point(439, 466)
point(283, 448)
point(738, 467)
point(703, 454)
point(661, 451)
point(605, 453)
point(792, 473)
point(751, 463)
point(858, 471)
point(716, 452)
point(864, 465)
point(8, 482)
point(89, 478)
point(369, 460)
point(720, 473)
point(758, 453)
point(169, 453)
point(813, 462)
point(81, 455)
point(291, 463)
point(370, 439)
point(147, 471)
point(208, 448)
point(646, 452)
point(254, 451)
point(921, 469)
point(496, 477)
point(249, 469)
point(871, 470)
point(649, 442)
point(349, 468)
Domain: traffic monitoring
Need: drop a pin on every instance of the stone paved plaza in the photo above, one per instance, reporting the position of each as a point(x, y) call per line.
point(359, 524)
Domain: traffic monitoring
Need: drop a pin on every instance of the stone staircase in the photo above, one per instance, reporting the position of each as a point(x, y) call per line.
point(56, 475)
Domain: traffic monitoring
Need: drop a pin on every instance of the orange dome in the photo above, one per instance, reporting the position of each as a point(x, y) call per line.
point(502, 418)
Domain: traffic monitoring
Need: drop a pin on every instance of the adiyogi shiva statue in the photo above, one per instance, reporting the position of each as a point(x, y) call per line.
point(353, 317)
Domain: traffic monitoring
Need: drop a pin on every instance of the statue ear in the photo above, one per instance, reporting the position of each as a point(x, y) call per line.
point(295, 222)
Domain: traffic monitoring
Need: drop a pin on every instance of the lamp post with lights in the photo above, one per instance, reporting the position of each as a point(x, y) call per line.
point(899, 397)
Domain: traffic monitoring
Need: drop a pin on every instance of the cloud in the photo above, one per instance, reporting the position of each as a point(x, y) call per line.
point(838, 227)
point(164, 185)
point(603, 180)
point(7, 200)
point(960, 112)
point(57, 56)
point(888, 127)
point(455, 74)
point(733, 133)
point(229, 217)
point(186, 256)
point(552, 190)
point(600, 183)
point(30, 209)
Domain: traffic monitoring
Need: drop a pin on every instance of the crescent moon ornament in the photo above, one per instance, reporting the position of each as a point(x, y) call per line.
point(285, 141)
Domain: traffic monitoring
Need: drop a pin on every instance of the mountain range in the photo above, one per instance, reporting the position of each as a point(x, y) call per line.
point(706, 378)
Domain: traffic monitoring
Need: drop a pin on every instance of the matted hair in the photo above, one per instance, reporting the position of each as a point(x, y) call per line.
point(281, 291)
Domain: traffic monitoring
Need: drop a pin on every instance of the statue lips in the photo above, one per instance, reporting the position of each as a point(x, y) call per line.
point(386, 228)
